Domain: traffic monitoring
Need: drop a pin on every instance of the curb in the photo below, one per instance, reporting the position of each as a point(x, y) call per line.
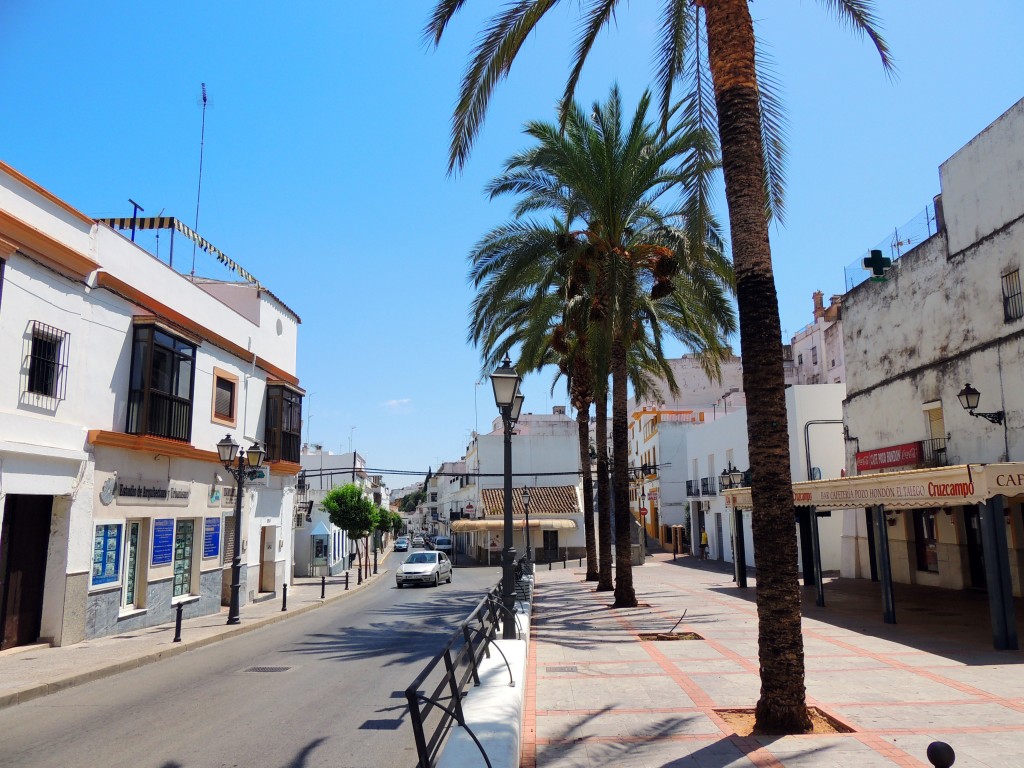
point(55, 686)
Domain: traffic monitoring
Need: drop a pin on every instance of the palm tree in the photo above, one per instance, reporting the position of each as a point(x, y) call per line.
point(633, 273)
point(719, 50)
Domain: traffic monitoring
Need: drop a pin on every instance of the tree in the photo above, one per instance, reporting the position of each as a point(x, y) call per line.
point(352, 512)
point(724, 57)
point(627, 274)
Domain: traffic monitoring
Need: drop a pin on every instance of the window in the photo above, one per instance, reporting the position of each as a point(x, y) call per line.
point(284, 423)
point(106, 554)
point(224, 388)
point(160, 385)
point(814, 355)
point(433, 497)
point(926, 540)
point(47, 361)
point(800, 359)
point(183, 532)
point(1013, 303)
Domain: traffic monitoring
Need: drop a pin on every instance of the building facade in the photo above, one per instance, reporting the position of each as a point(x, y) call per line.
point(120, 377)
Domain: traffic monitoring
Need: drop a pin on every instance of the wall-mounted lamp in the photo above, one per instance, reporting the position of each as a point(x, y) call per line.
point(969, 398)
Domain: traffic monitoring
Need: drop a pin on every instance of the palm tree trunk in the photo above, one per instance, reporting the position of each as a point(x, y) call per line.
point(625, 596)
point(782, 706)
point(604, 499)
point(583, 424)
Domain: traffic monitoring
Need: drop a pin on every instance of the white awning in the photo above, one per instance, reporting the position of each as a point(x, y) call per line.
point(467, 526)
point(957, 486)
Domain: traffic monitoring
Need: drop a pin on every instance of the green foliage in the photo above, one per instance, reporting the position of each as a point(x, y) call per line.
point(384, 522)
point(410, 501)
point(350, 510)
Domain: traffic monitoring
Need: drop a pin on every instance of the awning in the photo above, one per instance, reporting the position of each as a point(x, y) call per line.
point(957, 486)
point(468, 526)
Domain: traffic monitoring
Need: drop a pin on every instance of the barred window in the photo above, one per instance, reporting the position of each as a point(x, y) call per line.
point(47, 361)
point(1013, 303)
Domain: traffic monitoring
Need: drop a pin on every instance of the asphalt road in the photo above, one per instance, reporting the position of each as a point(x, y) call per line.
point(336, 700)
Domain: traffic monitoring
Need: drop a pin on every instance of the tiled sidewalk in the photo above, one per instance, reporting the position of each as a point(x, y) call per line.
point(598, 696)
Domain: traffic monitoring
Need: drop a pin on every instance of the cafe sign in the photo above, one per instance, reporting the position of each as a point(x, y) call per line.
point(905, 455)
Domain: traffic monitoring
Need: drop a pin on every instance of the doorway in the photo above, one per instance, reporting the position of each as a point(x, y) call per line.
point(550, 545)
point(975, 552)
point(24, 539)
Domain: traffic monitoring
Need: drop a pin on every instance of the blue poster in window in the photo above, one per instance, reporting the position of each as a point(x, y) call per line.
point(163, 541)
point(211, 537)
point(106, 554)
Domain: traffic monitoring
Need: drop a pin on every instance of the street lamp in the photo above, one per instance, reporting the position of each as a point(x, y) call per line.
point(249, 464)
point(643, 517)
point(526, 511)
point(509, 400)
point(969, 398)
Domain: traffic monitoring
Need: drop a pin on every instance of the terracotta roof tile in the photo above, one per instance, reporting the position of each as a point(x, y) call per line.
point(557, 500)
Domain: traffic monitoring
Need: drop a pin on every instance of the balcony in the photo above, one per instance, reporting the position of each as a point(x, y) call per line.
point(709, 486)
point(691, 488)
point(934, 453)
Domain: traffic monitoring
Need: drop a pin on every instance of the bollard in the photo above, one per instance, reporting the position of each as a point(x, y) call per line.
point(346, 581)
point(375, 560)
point(675, 549)
point(565, 560)
point(581, 562)
point(323, 587)
point(284, 597)
point(177, 623)
point(940, 754)
point(549, 565)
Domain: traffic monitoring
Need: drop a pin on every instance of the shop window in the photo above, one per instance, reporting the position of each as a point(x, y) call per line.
point(129, 597)
point(160, 385)
point(106, 554)
point(1013, 302)
point(284, 423)
point(926, 540)
point(183, 538)
point(47, 361)
point(225, 387)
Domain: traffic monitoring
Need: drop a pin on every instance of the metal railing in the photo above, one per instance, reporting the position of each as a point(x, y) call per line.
point(934, 452)
point(709, 486)
point(435, 710)
point(692, 488)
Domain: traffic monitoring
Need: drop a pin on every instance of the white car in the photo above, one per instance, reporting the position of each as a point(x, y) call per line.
point(417, 541)
point(424, 568)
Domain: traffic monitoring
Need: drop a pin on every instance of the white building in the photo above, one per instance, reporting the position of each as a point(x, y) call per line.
point(545, 457)
point(122, 376)
point(817, 348)
point(949, 313)
point(321, 548)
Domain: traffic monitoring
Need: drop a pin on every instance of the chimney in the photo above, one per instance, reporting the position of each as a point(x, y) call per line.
point(819, 305)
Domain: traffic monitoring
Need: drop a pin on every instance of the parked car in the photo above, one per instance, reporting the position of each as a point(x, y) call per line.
point(402, 544)
point(417, 541)
point(443, 544)
point(424, 568)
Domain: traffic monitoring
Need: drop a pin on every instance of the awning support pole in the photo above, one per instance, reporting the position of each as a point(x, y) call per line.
point(803, 519)
point(884, 564)
point(816, 547)
point(872, 559)
point(740, 550)
point(997, 574)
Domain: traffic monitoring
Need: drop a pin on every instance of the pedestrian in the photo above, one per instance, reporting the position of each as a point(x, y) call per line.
point(703, 543)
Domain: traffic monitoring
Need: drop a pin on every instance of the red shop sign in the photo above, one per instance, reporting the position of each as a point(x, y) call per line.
point(906, 455)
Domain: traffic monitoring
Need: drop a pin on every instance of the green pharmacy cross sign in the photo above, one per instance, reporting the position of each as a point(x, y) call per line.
point(878, 264)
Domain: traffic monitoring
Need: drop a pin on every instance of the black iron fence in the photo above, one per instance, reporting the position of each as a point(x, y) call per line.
point(435, 696)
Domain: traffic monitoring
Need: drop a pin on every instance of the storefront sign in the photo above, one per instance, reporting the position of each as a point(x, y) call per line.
point(163, 541)
point(905, 455)
point(154, 493)
point(211, 537)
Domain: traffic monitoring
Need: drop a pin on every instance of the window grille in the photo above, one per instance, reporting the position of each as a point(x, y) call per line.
point(1013, 302)
point(46, 364)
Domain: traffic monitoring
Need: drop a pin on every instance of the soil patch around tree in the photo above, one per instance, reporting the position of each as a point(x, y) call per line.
point(742, 722)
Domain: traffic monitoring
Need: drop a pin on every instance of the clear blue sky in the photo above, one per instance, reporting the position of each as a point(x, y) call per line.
point(326, 148)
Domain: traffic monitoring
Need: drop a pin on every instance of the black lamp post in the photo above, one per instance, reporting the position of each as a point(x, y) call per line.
point(509, 400)
point(249, 464)
point(969, 398)
point(526, 511)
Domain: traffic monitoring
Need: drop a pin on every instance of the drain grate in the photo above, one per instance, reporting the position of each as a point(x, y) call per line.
point(268, 669)
point(562, 669)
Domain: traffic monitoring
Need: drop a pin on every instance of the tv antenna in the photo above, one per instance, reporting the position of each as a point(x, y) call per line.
point(199, 190)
